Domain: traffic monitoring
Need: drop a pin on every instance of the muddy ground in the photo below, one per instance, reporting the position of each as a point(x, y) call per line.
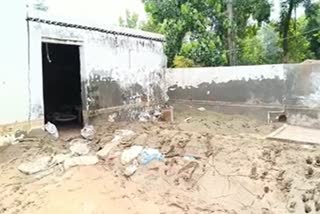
point(214, 163)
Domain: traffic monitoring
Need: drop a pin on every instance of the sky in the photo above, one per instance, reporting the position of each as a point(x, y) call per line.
point(104, 11)
point(109, 11)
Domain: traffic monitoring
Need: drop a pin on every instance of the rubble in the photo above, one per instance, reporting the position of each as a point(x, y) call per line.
point(131, 169)
point(79, 148)
point(80, 161)
point(88, 132)
point(104, 153)
point(60, 158)
point(8, 139)
point(188, 160)
point(36, 166)
point(144, 117)
point(129, 154)
point(167, 114)
point(122, 134)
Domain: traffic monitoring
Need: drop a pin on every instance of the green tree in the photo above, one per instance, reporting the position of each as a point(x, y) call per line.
point(261, 46)
point(206, 24)
point(130, 21)
point(270, 42)
point(287, 9)
point(182, 62)
point(298, 42)
point(251, 52)
point(151, 26)
point(312, 27)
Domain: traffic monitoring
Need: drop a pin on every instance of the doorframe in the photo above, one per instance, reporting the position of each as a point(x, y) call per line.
point(83, 73)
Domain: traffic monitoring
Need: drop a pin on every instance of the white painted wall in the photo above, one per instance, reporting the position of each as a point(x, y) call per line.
point(127, 60)
point(184, 77)
point(14, 93)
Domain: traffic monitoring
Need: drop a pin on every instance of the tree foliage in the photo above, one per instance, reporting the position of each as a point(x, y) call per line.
point(205, 24)
point(200, 31)
point(182, 62)
point(299, 46)
point(312, 26)
point(130, 20)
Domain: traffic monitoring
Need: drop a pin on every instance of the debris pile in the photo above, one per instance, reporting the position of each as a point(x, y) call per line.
point(79, 154)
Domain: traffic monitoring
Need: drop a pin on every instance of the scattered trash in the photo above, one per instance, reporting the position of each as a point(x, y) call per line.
point(80, 161)
point(112, 117)
point(79, 148)
point(144, 117)
point(52, 129)
point(157, 115)
point(201, 109)
point(36, 166)
point(130, 154)
point(131, 169)
point(189, 158)
point(88, 132)
point(7, 139)
point(148, 155)
point(187, 119)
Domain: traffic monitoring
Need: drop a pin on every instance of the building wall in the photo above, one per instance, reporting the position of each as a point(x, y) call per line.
point(14, 85)
point(263, 84)
point(116, 71)
point(303, 94)
point(252, 90)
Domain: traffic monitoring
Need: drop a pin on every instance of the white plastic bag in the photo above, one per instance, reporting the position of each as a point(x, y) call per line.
point(148, 155)
point(52, 129)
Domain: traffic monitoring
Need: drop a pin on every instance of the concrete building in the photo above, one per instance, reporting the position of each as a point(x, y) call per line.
point(55, 68)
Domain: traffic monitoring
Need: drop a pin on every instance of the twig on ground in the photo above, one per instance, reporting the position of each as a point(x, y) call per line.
point(185, 209)
point(255, 195)
point(197, 181)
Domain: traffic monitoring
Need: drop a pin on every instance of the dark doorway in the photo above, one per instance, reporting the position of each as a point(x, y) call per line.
point(62, 84)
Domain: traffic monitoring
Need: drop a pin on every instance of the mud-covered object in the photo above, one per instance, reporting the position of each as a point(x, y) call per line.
point(52, 130)
point(88, 132)
point(35, 166)
point(130, 154)
point(79, 148)
point(148, 154)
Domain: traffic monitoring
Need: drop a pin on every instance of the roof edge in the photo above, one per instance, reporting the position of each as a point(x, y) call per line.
point(97, 27)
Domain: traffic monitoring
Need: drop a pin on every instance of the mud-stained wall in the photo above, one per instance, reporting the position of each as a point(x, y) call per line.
point(293, 88)
point(303, 94)
point(116, 70)
point(241, 84)
point(303, 85)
